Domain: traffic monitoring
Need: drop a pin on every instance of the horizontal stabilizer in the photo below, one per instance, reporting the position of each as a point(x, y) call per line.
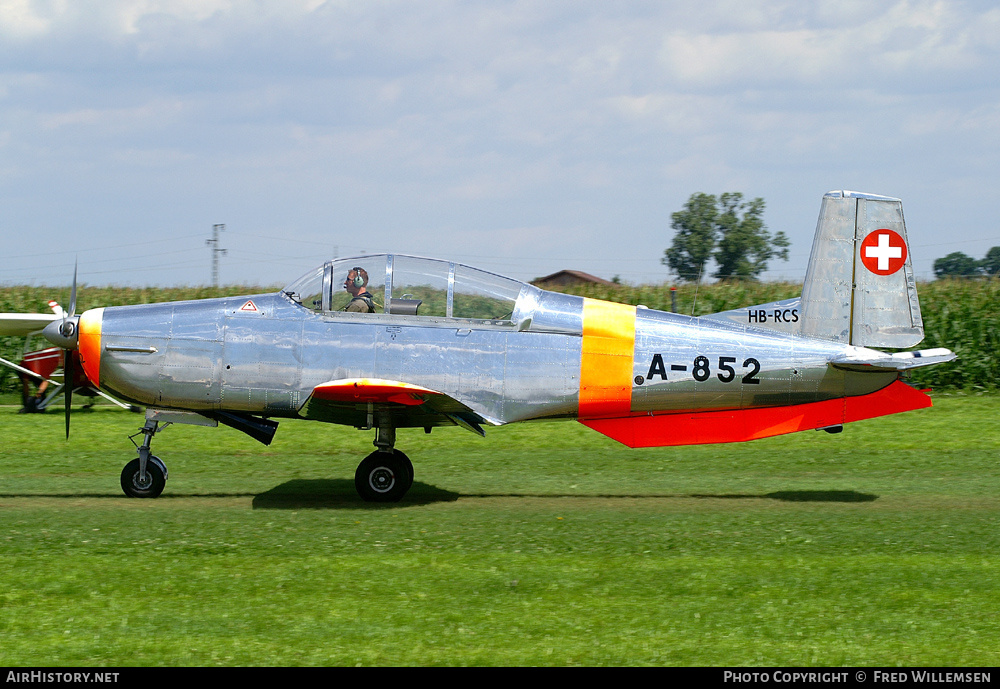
point(900, 361)
point(739, 425)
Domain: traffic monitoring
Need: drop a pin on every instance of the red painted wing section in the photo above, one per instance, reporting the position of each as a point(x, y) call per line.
point(739, 425)
point(45, 362)
point(372, 390)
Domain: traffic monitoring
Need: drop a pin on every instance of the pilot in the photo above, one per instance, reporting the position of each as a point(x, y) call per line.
point(31, 403)
point(356, 284)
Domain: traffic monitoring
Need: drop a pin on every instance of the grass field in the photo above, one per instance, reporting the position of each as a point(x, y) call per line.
point(544, 544)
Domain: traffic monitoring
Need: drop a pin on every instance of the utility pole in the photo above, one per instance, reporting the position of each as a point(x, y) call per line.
point(214, 243)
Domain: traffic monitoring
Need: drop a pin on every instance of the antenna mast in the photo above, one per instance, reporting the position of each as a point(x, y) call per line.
point(214, 243)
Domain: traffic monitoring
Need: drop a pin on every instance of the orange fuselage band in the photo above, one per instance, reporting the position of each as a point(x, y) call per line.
point(606, 359)
point(90, 344)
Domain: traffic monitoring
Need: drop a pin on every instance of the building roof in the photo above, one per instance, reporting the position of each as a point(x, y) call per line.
point(564, 277)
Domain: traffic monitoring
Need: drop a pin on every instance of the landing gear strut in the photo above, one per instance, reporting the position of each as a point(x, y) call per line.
point(144, 476)
point(386, 474)
point(383, 476)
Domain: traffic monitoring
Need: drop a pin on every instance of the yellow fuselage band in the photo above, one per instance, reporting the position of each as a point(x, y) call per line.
point(606, 359)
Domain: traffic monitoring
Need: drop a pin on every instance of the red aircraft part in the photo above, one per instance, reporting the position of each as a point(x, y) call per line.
point(45, 362)
point(372, 390)
point(738, 425)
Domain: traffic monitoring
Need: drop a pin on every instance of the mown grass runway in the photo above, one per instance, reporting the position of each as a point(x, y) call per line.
point(544, 544)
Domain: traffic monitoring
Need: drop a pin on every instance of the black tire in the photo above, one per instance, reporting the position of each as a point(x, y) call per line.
point(383, 476)
point(156, 479)
point(408, 466)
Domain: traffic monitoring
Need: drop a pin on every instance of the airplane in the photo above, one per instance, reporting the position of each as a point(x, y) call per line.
point(452, 345)
point(38, 367)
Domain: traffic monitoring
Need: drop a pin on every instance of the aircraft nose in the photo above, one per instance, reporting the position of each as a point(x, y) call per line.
point(90, 327)
point(63, 333)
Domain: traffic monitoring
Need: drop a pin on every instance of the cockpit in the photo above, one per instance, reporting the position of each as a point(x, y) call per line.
point(411, 286)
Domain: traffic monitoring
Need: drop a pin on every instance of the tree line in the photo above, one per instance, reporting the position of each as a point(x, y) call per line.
point(730, 230)
point(960, 265)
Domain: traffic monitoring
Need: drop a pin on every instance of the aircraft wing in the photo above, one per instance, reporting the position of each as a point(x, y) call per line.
point(24, 324)
point(354, 401)
point(900, 361)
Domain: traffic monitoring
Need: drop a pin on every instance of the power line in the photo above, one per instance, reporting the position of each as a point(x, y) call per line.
point(98, 248)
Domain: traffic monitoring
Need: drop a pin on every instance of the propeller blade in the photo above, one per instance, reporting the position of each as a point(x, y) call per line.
point(69, 376)
point(69, 367)
point(72, 295)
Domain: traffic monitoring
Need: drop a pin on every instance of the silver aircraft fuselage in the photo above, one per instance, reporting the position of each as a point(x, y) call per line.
point(553, 356)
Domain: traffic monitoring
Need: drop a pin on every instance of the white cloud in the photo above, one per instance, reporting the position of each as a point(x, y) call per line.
point(568, 115)
point(25, 19)
point(131, 12)
point(894, 40)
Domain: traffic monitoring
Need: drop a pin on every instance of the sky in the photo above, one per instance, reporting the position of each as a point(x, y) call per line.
point(519, 137)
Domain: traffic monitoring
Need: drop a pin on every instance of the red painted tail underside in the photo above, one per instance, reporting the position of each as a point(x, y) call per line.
point(739, 425)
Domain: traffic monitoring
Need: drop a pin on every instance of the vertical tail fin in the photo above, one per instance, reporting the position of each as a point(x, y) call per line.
point(859, 287)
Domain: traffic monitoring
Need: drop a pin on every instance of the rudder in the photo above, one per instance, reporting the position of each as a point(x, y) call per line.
point(859, 287)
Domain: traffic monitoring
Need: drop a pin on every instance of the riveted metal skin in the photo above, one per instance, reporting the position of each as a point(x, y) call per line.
point(859, 306)
point(211, 355)
point(208, 355)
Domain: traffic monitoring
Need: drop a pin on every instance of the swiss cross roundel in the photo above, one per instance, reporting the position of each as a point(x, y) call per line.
point(883, 252)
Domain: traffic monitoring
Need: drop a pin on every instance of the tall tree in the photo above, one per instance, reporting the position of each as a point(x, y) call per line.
point(725, 228)
point(956, 265)
point(745, 245)
point(694, 237)
point(991, 264)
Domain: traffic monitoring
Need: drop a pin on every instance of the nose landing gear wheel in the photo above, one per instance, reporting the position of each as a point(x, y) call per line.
point(384, 476)
point(156, 478)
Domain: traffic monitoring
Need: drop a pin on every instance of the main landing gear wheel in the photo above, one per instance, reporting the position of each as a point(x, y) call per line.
point(384, 476)
point(156, 478)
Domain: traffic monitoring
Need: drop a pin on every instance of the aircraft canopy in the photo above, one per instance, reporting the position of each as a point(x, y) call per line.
point(409, 285)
